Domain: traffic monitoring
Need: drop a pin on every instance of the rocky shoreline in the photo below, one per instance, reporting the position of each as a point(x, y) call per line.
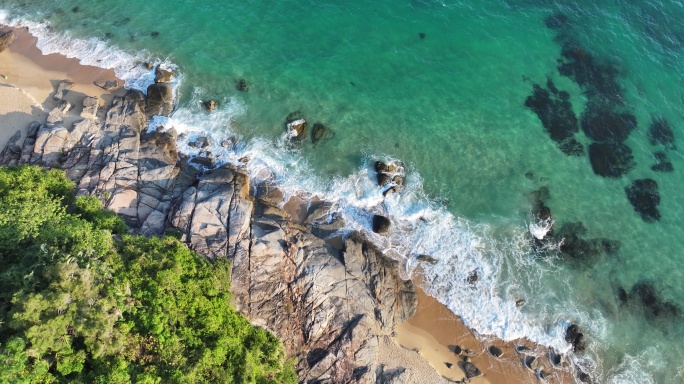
point(329, 301)
point(335, 301)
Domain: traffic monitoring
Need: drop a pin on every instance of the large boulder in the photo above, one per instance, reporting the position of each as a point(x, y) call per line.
point(6, 38)
point(159, 100)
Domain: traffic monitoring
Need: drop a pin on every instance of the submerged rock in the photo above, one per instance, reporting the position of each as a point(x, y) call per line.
point(661, 133)
point(601, 123)
point(6, 38)
point(554, 110)
point(557, 21)
point(654, 306)
point(663, 163)
point(611, 160)
point(579, 250)
point(644, 197)
point(241, 85)
point(320, 132)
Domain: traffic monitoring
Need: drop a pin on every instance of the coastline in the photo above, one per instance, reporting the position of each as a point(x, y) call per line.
point(435, 332)
point(26, 96)
point(32, 79)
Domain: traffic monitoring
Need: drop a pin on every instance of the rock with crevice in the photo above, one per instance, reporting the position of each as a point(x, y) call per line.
point(159, 100)
point(91, 106)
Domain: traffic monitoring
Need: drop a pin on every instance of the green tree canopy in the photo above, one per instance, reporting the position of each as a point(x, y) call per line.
point(76, 305)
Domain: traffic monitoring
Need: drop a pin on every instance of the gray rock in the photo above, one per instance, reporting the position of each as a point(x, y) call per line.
point(62, 88)
point(90, 107)
point(203, 161)
point(55, 116)
point(65, 106)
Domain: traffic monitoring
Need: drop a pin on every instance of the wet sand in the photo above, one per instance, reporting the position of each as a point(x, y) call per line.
point(435, 333)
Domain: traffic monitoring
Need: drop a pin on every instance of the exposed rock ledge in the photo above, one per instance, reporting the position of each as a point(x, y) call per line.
point(332, 302)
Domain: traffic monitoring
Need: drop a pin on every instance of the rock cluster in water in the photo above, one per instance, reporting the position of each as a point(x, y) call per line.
point(606, 120)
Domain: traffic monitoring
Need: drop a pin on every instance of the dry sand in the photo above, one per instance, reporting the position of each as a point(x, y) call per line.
point(434, 332)
point(32, 78)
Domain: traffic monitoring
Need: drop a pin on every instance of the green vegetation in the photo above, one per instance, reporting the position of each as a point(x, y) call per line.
point(80, 305)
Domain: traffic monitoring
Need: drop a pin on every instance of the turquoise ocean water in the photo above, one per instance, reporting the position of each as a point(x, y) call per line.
point(442, 86)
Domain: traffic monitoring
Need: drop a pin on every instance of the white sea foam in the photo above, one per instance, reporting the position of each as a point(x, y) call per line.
point(502, 258)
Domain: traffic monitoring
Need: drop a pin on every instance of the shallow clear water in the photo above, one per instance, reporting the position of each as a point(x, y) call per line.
point(451, 106)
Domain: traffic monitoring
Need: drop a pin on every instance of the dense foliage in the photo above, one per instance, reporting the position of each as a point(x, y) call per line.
point(78, 304)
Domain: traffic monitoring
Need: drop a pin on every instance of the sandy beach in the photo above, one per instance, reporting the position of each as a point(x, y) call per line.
point(433, 334)
point(28, 80)
point(437, 334)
